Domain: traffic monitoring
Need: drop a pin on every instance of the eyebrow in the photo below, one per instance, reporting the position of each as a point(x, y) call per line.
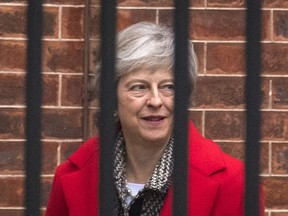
point(144, 81)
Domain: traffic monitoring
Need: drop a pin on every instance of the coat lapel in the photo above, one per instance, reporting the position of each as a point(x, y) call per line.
point(205, 160)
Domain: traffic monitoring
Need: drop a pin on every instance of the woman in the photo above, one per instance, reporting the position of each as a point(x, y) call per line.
point(144, 147)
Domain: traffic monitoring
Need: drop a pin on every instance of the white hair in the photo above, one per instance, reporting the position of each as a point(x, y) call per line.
point(148, 46)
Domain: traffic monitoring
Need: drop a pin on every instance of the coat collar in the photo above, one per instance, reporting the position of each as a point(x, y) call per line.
point(204, 155)
point(86, 151)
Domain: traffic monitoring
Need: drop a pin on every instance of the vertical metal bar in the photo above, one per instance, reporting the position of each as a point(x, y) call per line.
point(107, 106)
point(33, 111)
point(181, 26)
point(253, 101)
point(86, 69)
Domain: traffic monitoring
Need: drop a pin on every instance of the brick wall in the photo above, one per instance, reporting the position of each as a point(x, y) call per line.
point(217, 29)
point(62, 97)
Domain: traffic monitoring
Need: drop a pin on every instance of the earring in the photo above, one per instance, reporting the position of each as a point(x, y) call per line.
point(116, 117)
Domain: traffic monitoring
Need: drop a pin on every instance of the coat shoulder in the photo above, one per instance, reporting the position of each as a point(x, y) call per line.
point(207, 157)
point(85, 153)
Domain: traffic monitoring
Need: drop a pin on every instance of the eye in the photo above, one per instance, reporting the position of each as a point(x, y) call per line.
point(168, 89)
point(138, 90)
point(137, 87)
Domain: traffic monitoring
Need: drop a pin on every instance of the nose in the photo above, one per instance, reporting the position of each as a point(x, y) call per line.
point(154, 99)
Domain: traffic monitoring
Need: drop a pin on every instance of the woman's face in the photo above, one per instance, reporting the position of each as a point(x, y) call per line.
point(145, 105)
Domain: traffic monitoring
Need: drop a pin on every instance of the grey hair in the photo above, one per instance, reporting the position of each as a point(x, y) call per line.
point(149, 46)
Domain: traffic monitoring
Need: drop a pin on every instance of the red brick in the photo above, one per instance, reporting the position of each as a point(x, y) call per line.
point(226, 3)
point(125, 18)
point(62, 124)
point(94, 22)
point(219, 92)
point(93, 98)
point(280, 93)
point(12, 90)
point(12, 191)
point(46, 183)
point(12, 55)
point(50, 89)
point(12, 123)
point(280, 158)
point(237, 150)
point(145, 3)
point(68, 2)
point(280, 26)
point(225, 58)
point(16, 212)
point(275, 58)
point(218, 24)
point(274, 125)
point(94, 55)
point(13, 1)
point(264, 158)
point(226, 125)
point(12, 21)
point(49, 157)
point(279, 214)
point(72, 22)
point(225, 92)
point(51, 22)
point(72, 90)
point(93, 123)
point(157, 3)
point(63, 56)
point(275, 4)
point(276, 190)
point(196, 117)
point(9, 212)
point(212, 24)
point(95, 2)
point(265, 91)
point(199, 51)
point(128, 17)
point(11, 157)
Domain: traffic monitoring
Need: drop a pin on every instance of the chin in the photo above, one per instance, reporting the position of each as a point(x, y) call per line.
point(157, 138)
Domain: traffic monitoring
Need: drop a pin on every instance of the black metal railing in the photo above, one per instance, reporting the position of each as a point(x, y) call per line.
point(33, 111)
point(253, 101)
point(181, 29)
point(108, 105)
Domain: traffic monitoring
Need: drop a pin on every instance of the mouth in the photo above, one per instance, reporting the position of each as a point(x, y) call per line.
point(154, 118)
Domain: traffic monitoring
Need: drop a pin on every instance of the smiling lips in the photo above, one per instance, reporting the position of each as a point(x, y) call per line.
point(154, 118)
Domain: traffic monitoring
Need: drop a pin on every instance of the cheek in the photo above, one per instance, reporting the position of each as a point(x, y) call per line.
point(169, 103)
point(125, 107)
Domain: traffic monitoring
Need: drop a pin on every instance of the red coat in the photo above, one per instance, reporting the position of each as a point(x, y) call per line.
point(216, 183)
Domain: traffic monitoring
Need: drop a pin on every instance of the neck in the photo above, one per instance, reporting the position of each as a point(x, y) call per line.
point(142, 160)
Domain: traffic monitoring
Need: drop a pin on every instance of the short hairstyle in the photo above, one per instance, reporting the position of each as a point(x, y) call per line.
point(149, 46)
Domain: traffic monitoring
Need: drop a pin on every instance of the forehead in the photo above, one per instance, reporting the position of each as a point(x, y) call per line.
point(162, 73)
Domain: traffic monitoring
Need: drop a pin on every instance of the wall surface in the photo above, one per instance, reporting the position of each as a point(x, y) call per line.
point(218, 32)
